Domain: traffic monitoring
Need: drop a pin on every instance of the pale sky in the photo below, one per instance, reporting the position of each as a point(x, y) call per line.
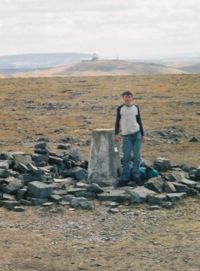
point(111, 28)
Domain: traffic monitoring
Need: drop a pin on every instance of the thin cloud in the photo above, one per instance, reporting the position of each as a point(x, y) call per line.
point(104, 26)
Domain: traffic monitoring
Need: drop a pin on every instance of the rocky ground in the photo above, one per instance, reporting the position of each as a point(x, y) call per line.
point(135, 238)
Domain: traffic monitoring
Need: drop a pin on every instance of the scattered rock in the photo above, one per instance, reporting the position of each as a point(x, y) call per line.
point(64, 146)
point(114, 195)
point(39, 190)
point(169, 187)
point(162, 164)
point(139, 194)
point(95, 188)
point(156, 184)
point(113, 210)
point(194, 139)
point(156, 199)
point(176, 196)
point(48, 179)
point(81, 203)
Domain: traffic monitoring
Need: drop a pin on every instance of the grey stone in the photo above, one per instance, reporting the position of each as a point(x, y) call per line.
point(76, 154)
point(161, 164)
point(14, 173)
point(25, 202)
point(77, 173)
point(60, 192)
point(156, 184)
point(104, 160)
point(176, 196)
point(76, 191)
point(64, 203)
point(5, 164)
point(175, 176)
point(169, 187)
point(154, 207)
point(5, 156)
point(27, 178)
point(5, 196)
point(113, 210)
point(48, 204)
point(21, 193)
point(55, 160)
point(95, 188)
point(86, 194)
point(197, 173)
point(198, 187)
point(37, 201)
point(33, 169)
point(167, 204)
point(81, 203)
point(67, 198)
point(113, 204)
point(181, 188)
point(21, 158)
point(82, 185)
point(139, 194)
point(22, 168)
point(194, 139)
point(18, 209)
point(41, 145)
point(38, 158)
point(9, 204)
point(39, 190)
point(114, 195)
point(12, 186)
point(64, 146)
point(55, 198)
point(41, 151)
point(157, 198)
point(189, 183)
point(4, 173)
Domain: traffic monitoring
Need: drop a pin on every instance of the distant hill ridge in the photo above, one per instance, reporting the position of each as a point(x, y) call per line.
point(191, 68)
point(80, 64)
point(104, 67)
point(38, 61)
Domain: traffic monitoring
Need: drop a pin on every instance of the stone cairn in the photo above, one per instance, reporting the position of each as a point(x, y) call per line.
point(48, 179)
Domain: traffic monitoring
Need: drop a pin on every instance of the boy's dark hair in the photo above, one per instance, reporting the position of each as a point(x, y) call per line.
point(127, 92)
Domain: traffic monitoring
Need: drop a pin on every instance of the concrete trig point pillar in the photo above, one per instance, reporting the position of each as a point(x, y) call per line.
point(104, 163)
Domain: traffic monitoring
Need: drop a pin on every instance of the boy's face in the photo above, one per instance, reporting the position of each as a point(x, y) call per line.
point(128, 99)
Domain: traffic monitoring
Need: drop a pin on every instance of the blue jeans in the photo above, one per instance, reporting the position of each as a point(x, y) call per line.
point(131, 143)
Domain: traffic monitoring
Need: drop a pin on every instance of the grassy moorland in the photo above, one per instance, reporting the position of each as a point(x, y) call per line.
point(74, 106)
point(135, 238)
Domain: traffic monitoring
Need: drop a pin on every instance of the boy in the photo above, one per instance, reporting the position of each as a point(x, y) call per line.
point(128, 121)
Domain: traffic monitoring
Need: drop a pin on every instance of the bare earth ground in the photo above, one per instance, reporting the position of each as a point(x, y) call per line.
point(136, 238)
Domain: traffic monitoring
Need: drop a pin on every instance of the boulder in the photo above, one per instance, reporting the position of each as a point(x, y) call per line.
point(169, 187)
point(38, 189)
point(81, 203)
point(161, 164)
point(139, 194)
point(114, 195)
point(20, 157)
point(95, 188)
point(4, 173)
point(176, 196)
point(156, 184)
point(157, 198)
point(77, 173)
point(13, 185)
